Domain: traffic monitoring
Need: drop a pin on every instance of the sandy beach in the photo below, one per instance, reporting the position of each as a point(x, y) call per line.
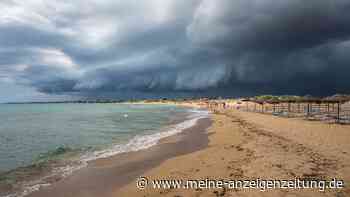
point(232, 145)
point(250, 145)
point(174, 98)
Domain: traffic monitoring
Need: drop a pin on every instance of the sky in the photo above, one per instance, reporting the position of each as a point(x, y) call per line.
point(54, 50)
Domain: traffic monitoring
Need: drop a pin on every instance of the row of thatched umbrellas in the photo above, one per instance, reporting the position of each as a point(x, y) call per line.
point(306, 99)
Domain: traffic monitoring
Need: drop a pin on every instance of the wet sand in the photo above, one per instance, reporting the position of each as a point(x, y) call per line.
point(247, 146)
point(104, 177)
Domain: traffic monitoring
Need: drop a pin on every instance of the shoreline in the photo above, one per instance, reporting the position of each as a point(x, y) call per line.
point(38, 176)
point(250, 146)
point(231, 145)
point(119, 168)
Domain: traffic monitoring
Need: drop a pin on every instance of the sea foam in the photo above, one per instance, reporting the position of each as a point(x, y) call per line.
point(140, 142)
point(137, 143)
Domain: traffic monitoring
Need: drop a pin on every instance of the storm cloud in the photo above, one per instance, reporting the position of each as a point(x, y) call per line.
point(220, 47)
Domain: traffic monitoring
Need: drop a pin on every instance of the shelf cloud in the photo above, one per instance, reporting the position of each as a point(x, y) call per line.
point(232, 47)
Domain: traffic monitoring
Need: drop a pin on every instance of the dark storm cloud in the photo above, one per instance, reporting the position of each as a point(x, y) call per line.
point(268, 43)
point(218, 47)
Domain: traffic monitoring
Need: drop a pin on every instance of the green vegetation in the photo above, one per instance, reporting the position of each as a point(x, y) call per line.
point(277, 98)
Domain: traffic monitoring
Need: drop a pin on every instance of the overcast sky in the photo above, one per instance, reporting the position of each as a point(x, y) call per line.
point(128, 48)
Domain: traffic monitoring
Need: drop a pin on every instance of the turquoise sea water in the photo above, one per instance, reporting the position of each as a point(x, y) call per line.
point(31, 131)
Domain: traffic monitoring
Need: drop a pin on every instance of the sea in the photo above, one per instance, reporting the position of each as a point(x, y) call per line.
point(31, 134)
